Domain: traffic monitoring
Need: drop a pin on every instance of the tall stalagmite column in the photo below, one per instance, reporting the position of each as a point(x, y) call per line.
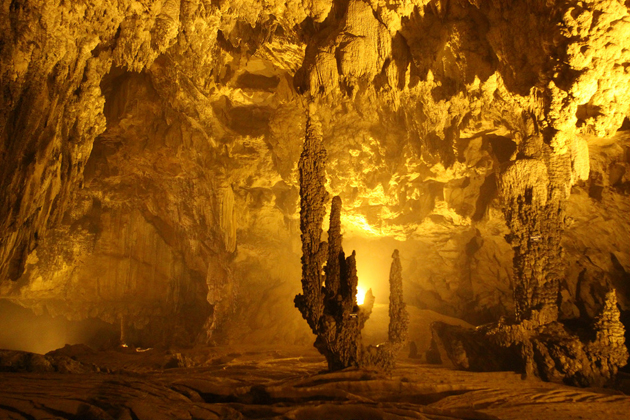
point(313, 197)
point(398, 316)
point(384, 355)
point(328, 302)
point(533, 192)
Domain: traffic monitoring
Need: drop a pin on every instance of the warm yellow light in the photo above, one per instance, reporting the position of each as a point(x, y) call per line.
point(361, 291)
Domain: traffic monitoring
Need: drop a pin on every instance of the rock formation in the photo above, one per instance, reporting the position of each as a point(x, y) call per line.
point(313, 197)
point(384, 354)
point(399, 318)
point(329, 278)
point(534, 196)
point(534, 191)
point(149, 157)
point(551, 350)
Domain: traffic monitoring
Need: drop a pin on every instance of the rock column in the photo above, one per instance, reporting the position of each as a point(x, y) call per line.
point(398, 316)
point(533, 191)
point(313, 198)
point(328, 302)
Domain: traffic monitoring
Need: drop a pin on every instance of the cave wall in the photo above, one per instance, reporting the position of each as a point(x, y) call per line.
point(149, 152)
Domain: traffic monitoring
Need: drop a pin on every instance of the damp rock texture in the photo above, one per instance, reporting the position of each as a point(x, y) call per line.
point(149, 157)
point(264, 384)
point(328, 300)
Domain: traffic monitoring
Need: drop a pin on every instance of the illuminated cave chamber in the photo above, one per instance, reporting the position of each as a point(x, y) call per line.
point(149, 168)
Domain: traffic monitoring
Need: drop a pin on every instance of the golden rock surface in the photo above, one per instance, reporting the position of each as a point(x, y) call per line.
point(148, 152)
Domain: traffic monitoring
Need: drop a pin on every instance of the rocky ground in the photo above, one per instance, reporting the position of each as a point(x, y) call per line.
point(280, 383)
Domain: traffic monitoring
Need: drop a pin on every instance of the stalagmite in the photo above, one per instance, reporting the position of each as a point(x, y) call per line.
point(534, 190)
point(398, 316)
point(328, 302)
point(534, 195)
point(384, 355)
point(164, 184)
point(313, 197)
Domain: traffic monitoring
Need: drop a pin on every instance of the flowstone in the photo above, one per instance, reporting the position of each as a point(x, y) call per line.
point(329, 278)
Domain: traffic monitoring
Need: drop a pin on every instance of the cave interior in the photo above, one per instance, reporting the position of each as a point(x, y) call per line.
point(314, 209)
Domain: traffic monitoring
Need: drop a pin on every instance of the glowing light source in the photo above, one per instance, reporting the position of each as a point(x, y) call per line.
point(361, 291)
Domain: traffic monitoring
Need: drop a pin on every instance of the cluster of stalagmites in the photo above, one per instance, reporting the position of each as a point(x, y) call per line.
point(534, 190)
point(329, 278)
point(583, 356)
point(536, 343)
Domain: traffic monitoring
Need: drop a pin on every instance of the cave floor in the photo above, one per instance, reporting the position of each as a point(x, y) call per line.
point(288, 383)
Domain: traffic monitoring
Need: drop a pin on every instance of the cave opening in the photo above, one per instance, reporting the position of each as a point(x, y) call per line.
point(449, 180)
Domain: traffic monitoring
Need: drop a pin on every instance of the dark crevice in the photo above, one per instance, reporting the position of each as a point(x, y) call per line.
point(16, 411)
point(487, 193)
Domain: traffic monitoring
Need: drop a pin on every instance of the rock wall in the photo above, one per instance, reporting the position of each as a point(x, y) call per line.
point(167, 133)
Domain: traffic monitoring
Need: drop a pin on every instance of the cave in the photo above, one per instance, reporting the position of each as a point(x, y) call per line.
point(315, 209)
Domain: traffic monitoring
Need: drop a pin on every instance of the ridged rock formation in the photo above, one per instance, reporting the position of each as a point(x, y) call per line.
point(329, 278)
point(313, 197)
point(552, 351)
point(149, 157)
point(534, 198)
point(399, 318)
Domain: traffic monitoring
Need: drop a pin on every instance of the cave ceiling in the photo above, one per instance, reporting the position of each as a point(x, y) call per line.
point(149, 151)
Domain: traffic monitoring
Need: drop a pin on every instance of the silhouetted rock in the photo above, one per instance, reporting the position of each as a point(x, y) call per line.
point(178, 360)
point(72, 351)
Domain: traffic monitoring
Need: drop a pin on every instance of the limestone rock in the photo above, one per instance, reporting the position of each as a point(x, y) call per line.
point(329, 299)
point(550, 350)
point(147, 114)
point(398, 314)
point(20, 361)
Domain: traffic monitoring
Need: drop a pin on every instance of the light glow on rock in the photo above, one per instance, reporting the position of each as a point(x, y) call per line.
point(357, 223)
point(361, 291)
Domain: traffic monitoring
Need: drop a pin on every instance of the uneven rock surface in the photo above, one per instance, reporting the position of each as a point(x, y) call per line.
point(18, 361)
point(149, 149)
point(289, 383)
point(583, 356)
